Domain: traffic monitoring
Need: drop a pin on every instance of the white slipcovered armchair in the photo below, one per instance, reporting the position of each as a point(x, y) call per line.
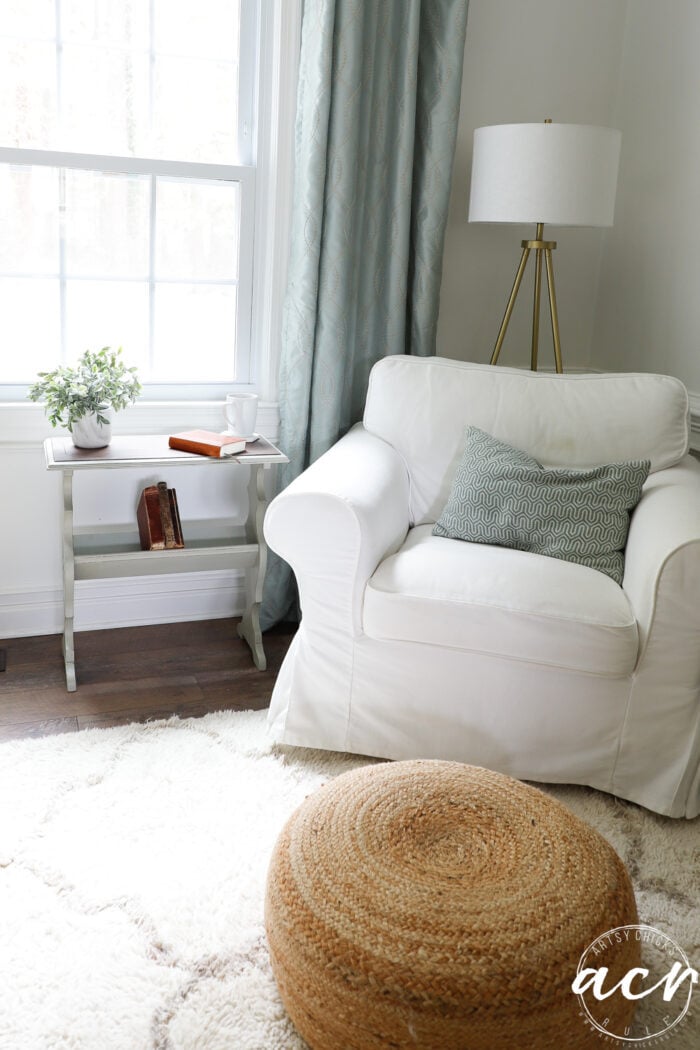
point(412, 645)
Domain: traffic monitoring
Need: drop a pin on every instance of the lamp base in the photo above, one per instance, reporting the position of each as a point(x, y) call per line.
point(543, 250)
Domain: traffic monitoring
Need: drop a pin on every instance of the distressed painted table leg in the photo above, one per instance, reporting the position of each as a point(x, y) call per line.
point(249, 627)
point(68, 581)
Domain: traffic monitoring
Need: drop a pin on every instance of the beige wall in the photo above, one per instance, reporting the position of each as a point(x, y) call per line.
point(648, 310)
point(526, 60)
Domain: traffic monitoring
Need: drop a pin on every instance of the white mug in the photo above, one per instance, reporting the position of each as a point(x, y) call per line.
point(240, 411)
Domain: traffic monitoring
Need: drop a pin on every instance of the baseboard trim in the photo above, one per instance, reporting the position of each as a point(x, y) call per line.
point(136, 601)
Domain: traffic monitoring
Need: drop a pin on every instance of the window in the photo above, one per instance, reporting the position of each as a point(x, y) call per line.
point(127, 187)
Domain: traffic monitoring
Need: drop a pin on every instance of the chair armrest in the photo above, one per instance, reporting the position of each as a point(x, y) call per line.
point(662, 557)
point(337, 521)
point(661, 732)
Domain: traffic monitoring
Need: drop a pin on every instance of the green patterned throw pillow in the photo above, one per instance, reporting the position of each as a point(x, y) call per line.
point(502, 496)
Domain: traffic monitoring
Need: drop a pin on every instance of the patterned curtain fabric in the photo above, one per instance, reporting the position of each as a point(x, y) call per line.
point(377, 111)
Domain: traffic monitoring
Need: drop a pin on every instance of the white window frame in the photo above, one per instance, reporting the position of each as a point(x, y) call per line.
point(262, 22)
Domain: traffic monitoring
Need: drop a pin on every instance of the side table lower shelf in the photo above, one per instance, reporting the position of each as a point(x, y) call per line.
point(202, 558)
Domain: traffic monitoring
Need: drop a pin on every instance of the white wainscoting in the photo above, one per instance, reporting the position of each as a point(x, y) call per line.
point(102, 604)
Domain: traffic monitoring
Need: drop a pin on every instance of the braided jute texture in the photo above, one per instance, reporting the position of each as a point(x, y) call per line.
point(442, 906)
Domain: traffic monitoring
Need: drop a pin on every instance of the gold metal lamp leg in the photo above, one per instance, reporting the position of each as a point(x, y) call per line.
point(509, 308)
point(553, 311)
point(536, 303)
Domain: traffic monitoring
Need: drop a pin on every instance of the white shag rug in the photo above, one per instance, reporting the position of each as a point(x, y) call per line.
point(132, 875)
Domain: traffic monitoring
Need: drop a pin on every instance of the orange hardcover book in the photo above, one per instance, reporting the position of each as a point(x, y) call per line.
point(207, 443)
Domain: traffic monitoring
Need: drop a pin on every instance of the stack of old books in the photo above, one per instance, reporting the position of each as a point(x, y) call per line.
point(159, 519)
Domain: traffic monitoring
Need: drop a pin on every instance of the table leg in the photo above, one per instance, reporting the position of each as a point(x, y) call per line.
point(68, 581)
point(249, 627)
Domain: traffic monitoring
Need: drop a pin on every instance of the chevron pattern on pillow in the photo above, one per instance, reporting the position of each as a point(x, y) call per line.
point(502, 496)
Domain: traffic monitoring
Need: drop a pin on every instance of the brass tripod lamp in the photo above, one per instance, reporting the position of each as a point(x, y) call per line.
point(559, 174)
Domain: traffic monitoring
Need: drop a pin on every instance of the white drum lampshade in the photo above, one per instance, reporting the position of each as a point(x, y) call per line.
point(559, 174)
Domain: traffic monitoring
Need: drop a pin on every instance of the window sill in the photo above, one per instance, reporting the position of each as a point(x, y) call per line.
point(24, 424)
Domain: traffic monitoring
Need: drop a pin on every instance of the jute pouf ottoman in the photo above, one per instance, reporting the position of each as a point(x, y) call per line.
point(440, 906)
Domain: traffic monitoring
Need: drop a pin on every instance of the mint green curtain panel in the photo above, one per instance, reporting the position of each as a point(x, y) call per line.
point(377, 110)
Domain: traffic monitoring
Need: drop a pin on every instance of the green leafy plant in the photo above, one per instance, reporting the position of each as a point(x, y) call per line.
point(99, 379)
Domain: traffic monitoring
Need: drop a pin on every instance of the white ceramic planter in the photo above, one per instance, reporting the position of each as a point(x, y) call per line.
point(88, 433)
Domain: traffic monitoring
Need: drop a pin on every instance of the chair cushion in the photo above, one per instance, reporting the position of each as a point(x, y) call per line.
point(502, 602)
point(501, 495)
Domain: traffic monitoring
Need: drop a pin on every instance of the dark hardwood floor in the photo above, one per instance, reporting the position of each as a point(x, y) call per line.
point(134, 674)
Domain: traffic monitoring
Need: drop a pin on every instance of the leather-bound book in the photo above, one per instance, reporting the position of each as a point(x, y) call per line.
point(166, 514)
point(148, 516)
point(175, 514)
point(159, 519)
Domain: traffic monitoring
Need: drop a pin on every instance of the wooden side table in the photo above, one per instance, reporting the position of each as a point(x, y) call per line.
point(106, 552)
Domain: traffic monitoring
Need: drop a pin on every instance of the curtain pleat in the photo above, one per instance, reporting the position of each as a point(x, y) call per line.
point(377, 111)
